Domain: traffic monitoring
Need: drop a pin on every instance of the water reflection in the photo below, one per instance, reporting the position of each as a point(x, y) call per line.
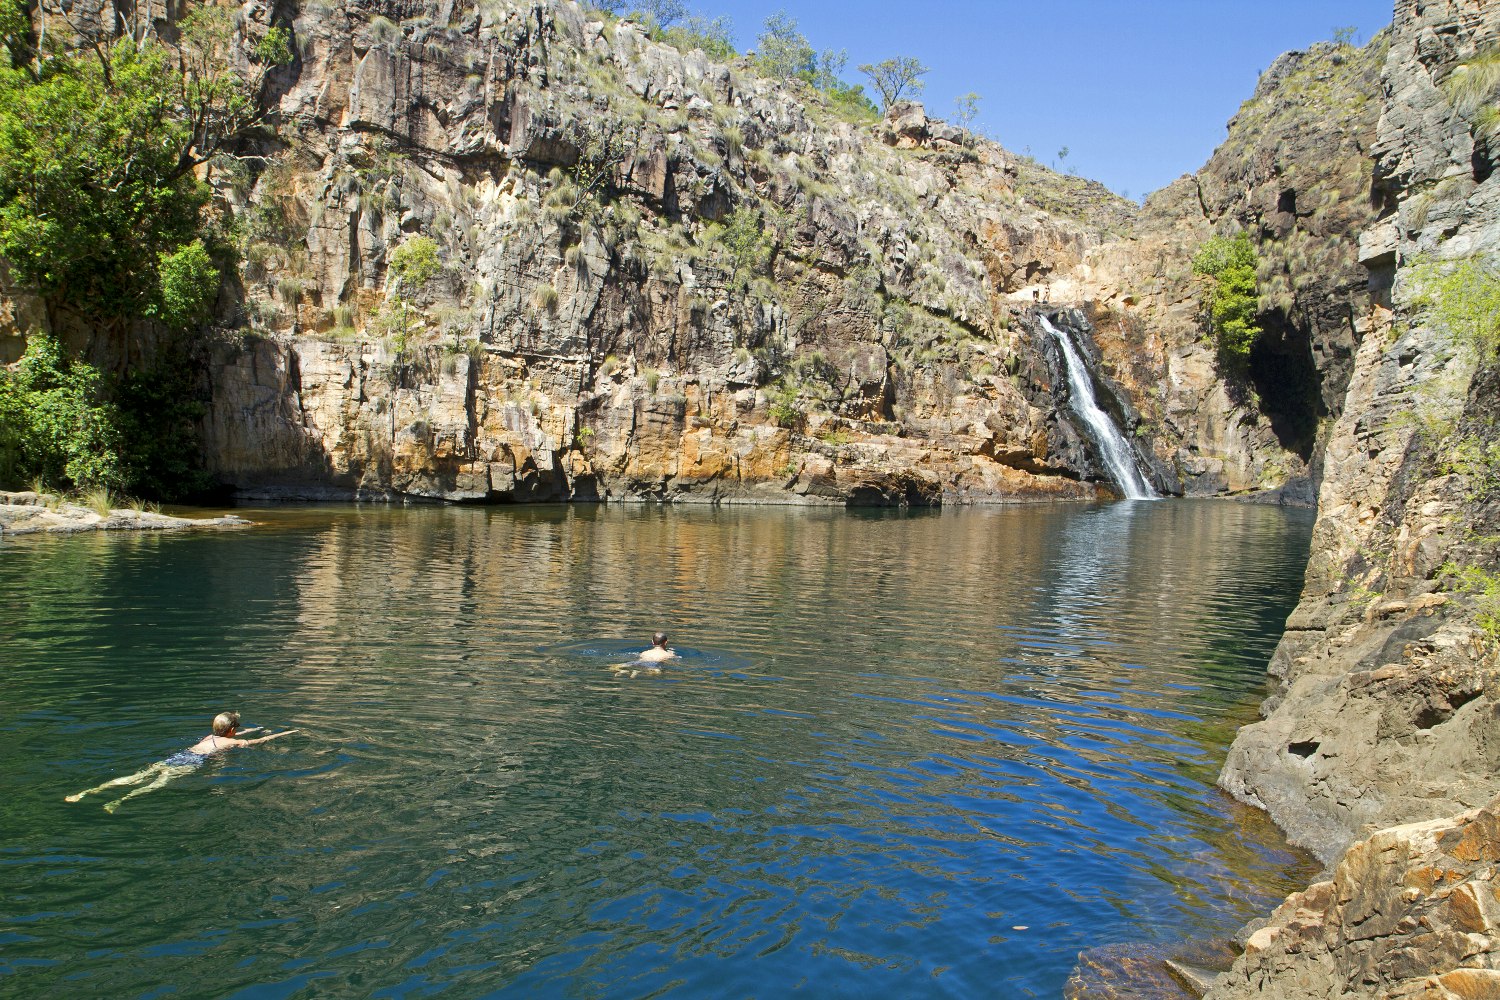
point(893, 738)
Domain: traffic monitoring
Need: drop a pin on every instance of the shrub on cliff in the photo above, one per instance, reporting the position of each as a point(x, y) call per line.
point(1230, 262)
point(1462, 300)
point(102, 218)
point(55, 424)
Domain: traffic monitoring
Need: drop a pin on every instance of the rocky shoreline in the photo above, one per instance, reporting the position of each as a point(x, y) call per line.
point(28, 513)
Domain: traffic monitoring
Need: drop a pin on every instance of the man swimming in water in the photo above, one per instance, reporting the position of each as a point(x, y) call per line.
point(658, 650)
point(226, 728)
point(649, 661)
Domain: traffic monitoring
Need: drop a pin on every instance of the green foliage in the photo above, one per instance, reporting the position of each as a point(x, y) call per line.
point(1484, 587)
point(189, 282)
point(15, 32)
point(1478, 462)
point(783, 51)
point(61, 426)
point(1463, 301)
point(92, 193)
point(1474, 90)
point(896, 78)
point(275, 49)
point(54, 423)
point(1343, 36)
point(714, 36)
point(745, 241)
point(415, 263)
point(965, 111)
point(1230, 262)
point(786, 410)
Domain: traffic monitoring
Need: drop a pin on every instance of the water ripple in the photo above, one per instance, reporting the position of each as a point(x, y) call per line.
point(890, 741)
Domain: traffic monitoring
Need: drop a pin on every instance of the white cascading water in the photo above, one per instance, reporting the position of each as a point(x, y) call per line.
point(1118, 456)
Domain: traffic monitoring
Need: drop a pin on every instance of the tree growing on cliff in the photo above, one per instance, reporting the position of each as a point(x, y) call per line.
point(100, 209)
point(413, 266)
point(965, 111)
point(1229, 263)
point(895, 78)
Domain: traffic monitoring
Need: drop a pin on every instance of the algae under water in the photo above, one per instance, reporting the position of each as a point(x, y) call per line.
point(903, 754)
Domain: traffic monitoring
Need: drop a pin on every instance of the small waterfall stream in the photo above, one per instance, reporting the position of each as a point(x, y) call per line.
point(1118, 456)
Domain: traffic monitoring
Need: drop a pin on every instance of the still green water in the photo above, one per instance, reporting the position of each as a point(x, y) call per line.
point(903, 755)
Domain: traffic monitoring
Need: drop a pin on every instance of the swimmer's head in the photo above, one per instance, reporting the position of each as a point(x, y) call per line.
point(226, 721)
point(659, 639)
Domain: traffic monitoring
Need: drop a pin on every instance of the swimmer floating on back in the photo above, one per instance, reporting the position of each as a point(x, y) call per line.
point(226, 726)
point(647, 662)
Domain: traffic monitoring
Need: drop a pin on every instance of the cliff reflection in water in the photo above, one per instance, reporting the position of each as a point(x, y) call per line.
point(893, 739)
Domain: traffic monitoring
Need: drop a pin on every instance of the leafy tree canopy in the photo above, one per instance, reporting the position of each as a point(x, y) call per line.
point(1230, 263)
point(896, 78)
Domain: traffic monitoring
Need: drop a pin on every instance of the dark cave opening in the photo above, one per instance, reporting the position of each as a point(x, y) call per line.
point(1285, 378)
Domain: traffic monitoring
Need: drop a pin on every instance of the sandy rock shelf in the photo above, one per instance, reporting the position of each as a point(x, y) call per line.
point(33, 513)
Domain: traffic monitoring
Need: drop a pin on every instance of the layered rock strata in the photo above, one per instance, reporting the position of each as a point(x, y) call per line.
point(662, 277)
point(1387, 713)
point(1386, 710)
point(1412, 911)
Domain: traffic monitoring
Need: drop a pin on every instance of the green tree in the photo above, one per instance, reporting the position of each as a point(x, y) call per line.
point(895, 78)
point(98, 148)
point(715, 37)
point(659, 15)
point(965, 110)
point(783, 51)
point(55, 424)
point(414, 264)
point(1230, 262)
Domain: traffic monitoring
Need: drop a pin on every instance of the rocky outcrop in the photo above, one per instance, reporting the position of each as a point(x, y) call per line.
point(1293, 172)
point(1386, 711)
point(1413, 911)
point(28, 513)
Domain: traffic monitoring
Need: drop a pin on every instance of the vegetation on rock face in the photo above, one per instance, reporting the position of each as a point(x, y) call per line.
point(1463, 302)
point(1230, 262)
point(784, 52)
point(1474, 89)
point(102, 218)
point(896, 78)
point(55, 425)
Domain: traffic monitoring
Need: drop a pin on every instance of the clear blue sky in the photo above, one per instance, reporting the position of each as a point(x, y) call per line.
point(1138, 91)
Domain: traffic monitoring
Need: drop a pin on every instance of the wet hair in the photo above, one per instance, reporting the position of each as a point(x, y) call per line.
point(659, 639)
point(225, 721)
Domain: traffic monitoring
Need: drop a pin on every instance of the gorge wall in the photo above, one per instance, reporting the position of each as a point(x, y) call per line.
point(756, 299)
point(1387, 713)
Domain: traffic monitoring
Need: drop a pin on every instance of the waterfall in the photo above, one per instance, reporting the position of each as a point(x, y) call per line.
point(1118, 456)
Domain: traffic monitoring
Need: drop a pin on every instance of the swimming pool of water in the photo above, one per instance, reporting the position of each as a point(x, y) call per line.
point(921, 754)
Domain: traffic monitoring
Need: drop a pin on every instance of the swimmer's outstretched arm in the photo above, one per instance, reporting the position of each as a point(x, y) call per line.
point(267, 739)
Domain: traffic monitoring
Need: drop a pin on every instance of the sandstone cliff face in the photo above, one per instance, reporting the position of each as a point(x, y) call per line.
point(663, 278)
point(1294, 172)
point(1387, 711)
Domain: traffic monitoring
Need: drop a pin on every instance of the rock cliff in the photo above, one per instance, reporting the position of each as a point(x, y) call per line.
point(1387, 710)
point(662, 277)
point(1294, 172)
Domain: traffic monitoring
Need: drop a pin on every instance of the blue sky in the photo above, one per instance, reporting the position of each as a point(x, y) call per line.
point(1139, 92)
